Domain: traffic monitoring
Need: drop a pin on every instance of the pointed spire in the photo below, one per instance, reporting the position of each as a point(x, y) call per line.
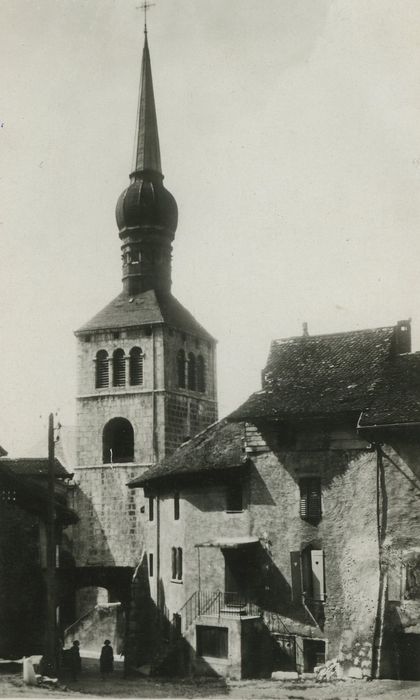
point(147, 151)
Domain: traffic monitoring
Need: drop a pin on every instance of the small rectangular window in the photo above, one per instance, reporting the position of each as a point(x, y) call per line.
point(176, 563)
point(151, 508)
point(150, 564)
point(234, 498)
point(212, 641)
point(310, 498)
point(176, 506)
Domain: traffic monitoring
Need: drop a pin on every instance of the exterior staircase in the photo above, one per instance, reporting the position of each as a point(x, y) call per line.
point(102, 622)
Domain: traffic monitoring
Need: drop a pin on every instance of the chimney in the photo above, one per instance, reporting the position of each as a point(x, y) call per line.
point(305, 331)
point(403, 337)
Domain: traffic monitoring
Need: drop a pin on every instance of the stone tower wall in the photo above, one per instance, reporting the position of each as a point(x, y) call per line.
point(110, 531)
point(162, 415)
point(188, 412)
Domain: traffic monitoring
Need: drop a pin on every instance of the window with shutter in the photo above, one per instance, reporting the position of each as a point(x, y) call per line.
point(179, 564)
point(176, 563)
point(313, 574)
point(310, 498)
point(136, 366)
point(118, 368)
point(173, 562)
point(101, 369)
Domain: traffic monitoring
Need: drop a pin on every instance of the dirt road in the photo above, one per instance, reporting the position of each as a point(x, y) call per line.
point(91, 687)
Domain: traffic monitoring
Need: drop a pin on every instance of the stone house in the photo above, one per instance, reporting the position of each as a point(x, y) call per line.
point(23, 515)
point(289, 533)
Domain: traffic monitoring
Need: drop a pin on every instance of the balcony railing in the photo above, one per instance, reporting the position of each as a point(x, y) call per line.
point(216, 604)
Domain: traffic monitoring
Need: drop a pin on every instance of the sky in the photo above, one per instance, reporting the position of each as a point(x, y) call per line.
point(289, 133)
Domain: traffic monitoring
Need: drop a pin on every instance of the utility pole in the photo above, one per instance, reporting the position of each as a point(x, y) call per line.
point(51, 628)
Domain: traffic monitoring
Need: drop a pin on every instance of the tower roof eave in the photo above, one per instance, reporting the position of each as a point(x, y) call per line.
point(145, 309)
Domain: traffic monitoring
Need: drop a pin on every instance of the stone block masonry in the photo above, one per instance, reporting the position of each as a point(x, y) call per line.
point(110, 531)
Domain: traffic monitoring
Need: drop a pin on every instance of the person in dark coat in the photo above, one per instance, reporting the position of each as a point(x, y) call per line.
point(106, 661)
point(75, 661)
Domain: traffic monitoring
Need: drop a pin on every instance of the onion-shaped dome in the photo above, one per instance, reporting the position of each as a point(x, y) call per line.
point(147, 202)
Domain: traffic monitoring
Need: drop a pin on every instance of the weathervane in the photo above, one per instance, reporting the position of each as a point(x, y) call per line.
point(145, 6)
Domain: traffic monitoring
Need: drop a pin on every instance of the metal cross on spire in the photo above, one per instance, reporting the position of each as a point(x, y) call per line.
point(145, 6)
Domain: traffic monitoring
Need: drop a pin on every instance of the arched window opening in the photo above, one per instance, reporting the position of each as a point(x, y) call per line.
point(118, 368)
point(101, 369)
point(201, 374)
point(136, 366)
point(191, 371)
point(180, 364)
point(118, 441)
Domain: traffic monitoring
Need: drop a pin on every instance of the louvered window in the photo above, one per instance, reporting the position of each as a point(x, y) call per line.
point(101, 369)
point(191, 371)
point(201, 374)
point(118, 368)
point(310, 498)
point(136, 366)
point(180, 364)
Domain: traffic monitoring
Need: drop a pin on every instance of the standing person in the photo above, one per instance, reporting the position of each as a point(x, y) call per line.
point(106, 661)
point(75, 661)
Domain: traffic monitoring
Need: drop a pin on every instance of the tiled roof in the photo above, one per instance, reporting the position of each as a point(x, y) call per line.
point(3, 452)
point(145, 309)
point(32, 466)
point(337, 373)
point(31, 495)
point(397, 396)
point(218, 447)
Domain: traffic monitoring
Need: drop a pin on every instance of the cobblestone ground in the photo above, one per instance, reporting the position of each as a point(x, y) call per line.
point(90, 687)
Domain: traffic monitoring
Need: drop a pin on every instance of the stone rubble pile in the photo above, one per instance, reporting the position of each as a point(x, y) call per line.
point(329, 671)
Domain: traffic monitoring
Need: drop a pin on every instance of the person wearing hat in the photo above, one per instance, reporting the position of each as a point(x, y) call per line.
point(106, 661)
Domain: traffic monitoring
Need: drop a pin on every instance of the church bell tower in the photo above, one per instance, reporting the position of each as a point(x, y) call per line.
point(146, 367)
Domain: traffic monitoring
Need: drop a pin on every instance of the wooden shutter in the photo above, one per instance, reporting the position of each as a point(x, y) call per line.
point(310, 498)
point(118, 368)
point(102, 369)
point(314, 498)
point(318, 582)
point(136, 366)
point(174, 563)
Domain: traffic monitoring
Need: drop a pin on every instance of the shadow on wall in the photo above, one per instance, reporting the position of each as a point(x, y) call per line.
point(88, 542)
point(154, 639)
point(409, 452)
point(298, 460)
point(22, 587)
